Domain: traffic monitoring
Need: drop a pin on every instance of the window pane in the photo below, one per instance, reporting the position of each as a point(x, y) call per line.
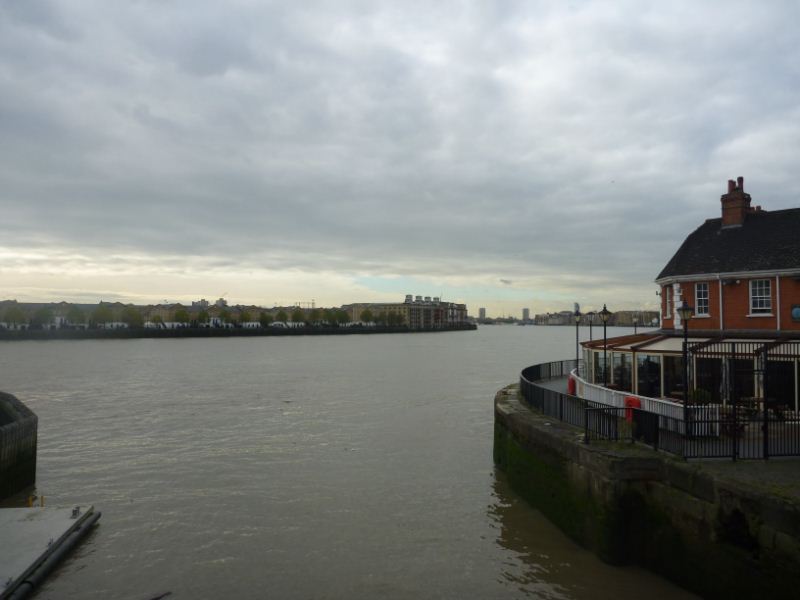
point(598, 367)
point(673, 377)
point(701, 298)
point(648, 375)
point(709, 385)
point(760, 297)
point(622, 371)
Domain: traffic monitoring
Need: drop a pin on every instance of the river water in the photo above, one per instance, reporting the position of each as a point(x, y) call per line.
point(298, 467)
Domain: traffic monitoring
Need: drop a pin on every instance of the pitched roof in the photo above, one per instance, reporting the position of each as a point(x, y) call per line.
point(767, 240)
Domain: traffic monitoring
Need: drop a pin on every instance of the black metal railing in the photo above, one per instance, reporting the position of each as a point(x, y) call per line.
point(598, 421)
point(743, 399)
point(744, 429)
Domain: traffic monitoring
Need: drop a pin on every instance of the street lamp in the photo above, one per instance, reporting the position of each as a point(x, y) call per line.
point(686, 312)
point(591, 322)
point(577, 316)
point(635, 323)
point(604, 316)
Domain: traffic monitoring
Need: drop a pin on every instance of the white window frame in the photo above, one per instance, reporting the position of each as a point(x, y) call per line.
point(760, 303)
point(705, 299)
point(667, 291)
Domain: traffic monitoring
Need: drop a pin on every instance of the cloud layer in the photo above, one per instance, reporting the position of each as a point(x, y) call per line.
point(505, 154)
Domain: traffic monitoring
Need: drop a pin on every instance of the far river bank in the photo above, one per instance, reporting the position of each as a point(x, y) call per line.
point(208, 332)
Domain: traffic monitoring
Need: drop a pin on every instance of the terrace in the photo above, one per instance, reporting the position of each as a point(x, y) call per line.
point(696, 398)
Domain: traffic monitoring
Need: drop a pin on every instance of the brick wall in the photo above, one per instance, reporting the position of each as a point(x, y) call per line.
point(736, 300)
point(790, 296)
point(736, 305)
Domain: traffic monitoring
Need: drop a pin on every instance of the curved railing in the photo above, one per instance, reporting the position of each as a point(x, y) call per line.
point(696, 431)
point(598, 419)
point(564, 407)
point(603, 395)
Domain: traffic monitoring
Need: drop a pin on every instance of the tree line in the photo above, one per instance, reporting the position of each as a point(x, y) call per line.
point(134, 317)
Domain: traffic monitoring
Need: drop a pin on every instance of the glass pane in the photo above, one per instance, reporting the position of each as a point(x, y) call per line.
point(673, 377)
point(648, 375)
point(780, 382)
point(622, 371)
point(708, 386)
point(598, 367)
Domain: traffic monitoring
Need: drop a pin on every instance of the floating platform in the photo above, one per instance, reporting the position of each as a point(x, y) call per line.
point(34, 541)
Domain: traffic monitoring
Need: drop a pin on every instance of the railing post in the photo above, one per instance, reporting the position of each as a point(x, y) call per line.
point(734, 403)
point(765, 437)
point(634, 421)
point(585, 425)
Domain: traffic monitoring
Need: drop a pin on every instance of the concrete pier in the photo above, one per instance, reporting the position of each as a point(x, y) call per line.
point(35, 540)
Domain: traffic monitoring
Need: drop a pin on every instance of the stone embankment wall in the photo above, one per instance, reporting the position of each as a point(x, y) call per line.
point(718, 537)
point(18, 431)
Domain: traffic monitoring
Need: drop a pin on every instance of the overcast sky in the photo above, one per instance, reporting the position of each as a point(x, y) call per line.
point(502, 154)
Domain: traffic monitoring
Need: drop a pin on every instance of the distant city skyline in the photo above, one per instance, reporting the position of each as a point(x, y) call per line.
point(499, 155)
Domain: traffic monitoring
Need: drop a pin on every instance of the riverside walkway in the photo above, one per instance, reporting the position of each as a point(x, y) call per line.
point(557, 384)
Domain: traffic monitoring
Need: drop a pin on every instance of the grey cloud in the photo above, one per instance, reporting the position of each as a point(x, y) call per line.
point(392, 138)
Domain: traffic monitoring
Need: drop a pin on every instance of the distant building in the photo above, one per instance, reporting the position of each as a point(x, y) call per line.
point(201, 304)
point(221, 303)
point(565, 317)
point(482, 313)
point(415, 312)
point(526, 314)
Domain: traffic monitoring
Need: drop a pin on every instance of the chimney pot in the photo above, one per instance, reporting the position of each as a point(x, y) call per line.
point(740, 181)
point(731, 185)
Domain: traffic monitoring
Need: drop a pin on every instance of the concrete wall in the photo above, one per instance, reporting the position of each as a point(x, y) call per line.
point(632, 505)
point(18, 438)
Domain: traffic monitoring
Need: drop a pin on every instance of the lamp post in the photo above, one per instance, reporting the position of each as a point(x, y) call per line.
point(591, 322)
point(686, 312)
point(577, 316)
point(635, 323)
point(604, 315)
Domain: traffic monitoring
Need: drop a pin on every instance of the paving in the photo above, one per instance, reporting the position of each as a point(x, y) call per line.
point(557, 384)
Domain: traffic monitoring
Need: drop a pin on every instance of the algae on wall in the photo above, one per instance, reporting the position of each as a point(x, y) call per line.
point(545, 484)
point(650, 509)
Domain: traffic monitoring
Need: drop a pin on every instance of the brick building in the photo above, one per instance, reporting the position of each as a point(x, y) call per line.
point(740, 275)
point(740, 272)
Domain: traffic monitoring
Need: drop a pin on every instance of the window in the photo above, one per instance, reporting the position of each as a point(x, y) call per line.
point(701, 298)
point(760, 297)
point(667, 291)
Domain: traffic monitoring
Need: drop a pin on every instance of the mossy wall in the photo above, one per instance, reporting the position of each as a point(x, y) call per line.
point(646, 508)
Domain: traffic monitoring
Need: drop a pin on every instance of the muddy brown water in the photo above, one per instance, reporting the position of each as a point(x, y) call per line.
point(320, 467)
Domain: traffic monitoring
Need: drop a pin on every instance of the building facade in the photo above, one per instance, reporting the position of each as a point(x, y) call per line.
point(415, 312)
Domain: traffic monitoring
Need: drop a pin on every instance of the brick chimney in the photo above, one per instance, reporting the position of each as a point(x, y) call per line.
point(735, 204)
